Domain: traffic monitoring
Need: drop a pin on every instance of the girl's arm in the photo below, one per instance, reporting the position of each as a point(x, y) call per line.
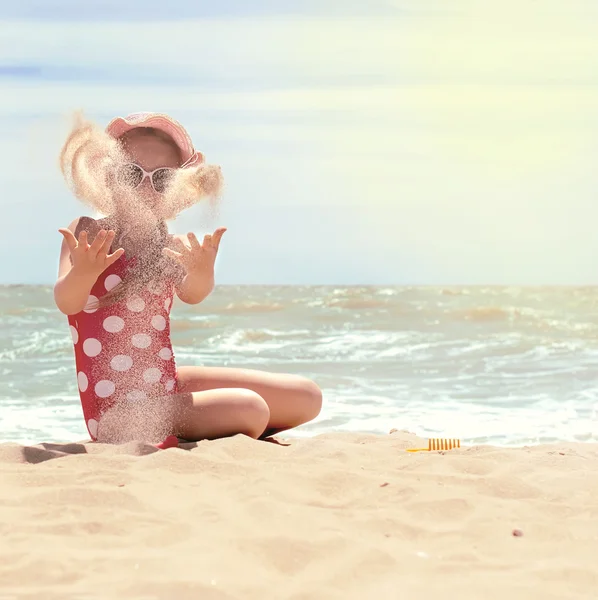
point(81, 265)
point(195, 287)
point(72, 287)
point(198, 262)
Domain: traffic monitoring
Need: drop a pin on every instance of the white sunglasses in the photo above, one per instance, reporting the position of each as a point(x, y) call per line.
point(132, 175)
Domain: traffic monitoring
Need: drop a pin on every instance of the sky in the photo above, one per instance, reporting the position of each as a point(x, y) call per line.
point(385, 142)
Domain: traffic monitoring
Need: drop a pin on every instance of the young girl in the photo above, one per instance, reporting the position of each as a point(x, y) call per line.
point(116, 281)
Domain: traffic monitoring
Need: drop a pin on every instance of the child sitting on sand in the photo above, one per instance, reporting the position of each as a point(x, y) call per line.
point(116, 282)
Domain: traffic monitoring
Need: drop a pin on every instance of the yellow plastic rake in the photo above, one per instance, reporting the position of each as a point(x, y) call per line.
point(438, 444)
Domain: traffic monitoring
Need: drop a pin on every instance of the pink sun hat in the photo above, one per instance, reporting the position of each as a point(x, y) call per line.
point(121, 125)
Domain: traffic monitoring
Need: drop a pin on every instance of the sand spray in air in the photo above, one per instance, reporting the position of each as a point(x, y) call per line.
point(88, 161)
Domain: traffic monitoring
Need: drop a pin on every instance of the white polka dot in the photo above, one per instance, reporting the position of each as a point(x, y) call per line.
point(82, 380)
point(74, 334)
point(104, 388)
point(152, 375)
point(92, 426)
point(92, 347)
point(111, 282)
point(165, 354)
point(91, 305)
point(167, 303)
point(169, 385)
point(136, 396)
point(121, 362)
point(141, 340)
point(159, 322)
point(155, 287)
point(135, 304)
point(113, 324)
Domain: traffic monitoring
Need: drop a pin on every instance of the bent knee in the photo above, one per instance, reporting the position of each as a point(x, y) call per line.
point(252, 412)
point(311, 398)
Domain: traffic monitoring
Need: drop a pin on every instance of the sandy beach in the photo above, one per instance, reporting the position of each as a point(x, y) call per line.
point(334, 516)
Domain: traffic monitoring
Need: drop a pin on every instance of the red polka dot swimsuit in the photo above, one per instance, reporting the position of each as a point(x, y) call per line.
point(123, 351)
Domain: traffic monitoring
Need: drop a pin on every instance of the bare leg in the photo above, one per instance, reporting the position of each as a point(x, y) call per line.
point(216, 402)
point(192, 416)
point(292, 400)
point(220, 413)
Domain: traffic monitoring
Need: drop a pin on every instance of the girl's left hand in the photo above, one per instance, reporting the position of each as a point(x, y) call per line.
point(197, 258)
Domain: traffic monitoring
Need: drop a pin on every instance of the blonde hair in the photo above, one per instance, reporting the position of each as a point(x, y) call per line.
point(88, 161)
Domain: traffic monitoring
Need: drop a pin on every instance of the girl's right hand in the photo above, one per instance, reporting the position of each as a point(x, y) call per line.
point(91, 260)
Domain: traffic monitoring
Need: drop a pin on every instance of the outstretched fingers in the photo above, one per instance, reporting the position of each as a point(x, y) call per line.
point(170, 253)
point(193, 241)
point(69, 238)
point(104, 249)
point(218, 236)
point(180, 246)
point(97, 243)
point(112, 258)
point(92, 257)
point(83, 239)
point(209, 240)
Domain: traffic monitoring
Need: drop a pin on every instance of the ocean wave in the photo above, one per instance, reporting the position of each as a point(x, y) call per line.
point(351, 298)
point(355, 303)
point(526, 319)
point(248, 306)
point(454, 292)
point(498, 365)
point(189, 324)
point(41, 342)
point(266, 335)
point(255, 340)
point(489, 313)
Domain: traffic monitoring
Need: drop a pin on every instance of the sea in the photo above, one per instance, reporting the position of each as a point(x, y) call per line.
point(507, 366)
